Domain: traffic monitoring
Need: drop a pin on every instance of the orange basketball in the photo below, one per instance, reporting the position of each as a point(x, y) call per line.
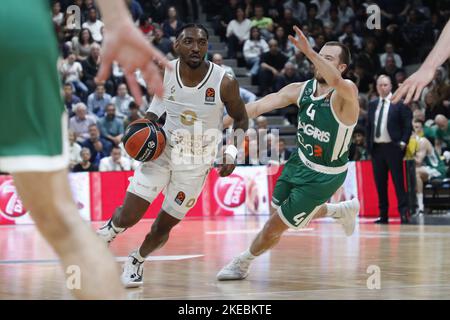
point(144, 140)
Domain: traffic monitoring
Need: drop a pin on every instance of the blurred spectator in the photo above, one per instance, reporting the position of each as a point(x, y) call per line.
point(160, 42)
point(157, 9)
point(428, 162)
point(249, 8)
point(110, 126)
point(312, 22)
point(94, 25)
point(433, 107)
point(323, 8)
point(298, 10)
point(288, 22)
point(302, 65)
point(264, 24)
point(99, 146)
point(98, 100)
point(288, 75)
point(172, 24)
point(358, 148)
point(133, 114)
point(274, 10)
point(368, 58)
point(115, 162)
point(335, 21)
point(362, 78)
point(390, 69)
point(440, 87)
point(74, 151)
point(400, 77)
point(82, 44)
point(442, 134)
point(122, 100)
point(319, 42)
point(345, 12)
point(350, 38)
point(135, 9)
point(146, 25)
point(253, 49)
point(227, 14)
point(284, 153)
point(416, 37)
point(117, 74)
point(72, 72)
point(57, 15)
point(81, 121)
point(238, 31)
point(218, 59)
point(246, 95)
point(85, 165)
point(285, 46)
point(90, 68)
point(389, 51)
point(70, 100)
point(272, 63)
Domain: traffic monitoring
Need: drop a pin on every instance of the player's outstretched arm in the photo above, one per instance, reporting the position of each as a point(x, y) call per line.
point(125, 43)
point(413, 86)
point(345, 89)
point(286, 96)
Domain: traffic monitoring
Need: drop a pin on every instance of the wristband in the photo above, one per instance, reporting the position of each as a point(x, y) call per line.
point(232, 151)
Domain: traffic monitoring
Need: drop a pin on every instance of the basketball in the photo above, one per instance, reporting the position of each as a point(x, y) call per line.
point(144, 140)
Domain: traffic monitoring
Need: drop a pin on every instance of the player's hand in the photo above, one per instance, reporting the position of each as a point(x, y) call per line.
point(302, 42)
point(126, 44)
point(227, 167)
point(412, 87)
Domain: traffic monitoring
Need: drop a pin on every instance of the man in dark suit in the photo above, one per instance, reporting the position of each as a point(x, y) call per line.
point(388, 131)
point(284, 153)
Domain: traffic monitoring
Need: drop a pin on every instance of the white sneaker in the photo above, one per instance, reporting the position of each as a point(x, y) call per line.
point(108, 233)
point(348, 211)
point(237, 269)
point(133, 271)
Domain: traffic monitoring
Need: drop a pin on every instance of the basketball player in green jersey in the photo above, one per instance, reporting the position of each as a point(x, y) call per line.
point(33, 143)
point(328, 111)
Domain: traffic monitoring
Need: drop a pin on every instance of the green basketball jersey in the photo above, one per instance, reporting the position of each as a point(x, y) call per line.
point(434, 161)
point(323, 141)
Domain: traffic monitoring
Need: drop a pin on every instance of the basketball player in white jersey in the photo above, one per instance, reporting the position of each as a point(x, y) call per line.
point(195, 93)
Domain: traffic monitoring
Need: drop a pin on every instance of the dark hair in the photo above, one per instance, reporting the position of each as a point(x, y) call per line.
point(345, 55)
point(251, 32)
point(419, 121)
point(80, 38)
point(360, 130)
point(192, 25)
point(133, 105)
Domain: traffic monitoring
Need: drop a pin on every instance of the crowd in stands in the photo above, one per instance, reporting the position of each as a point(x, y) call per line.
point(255, 33)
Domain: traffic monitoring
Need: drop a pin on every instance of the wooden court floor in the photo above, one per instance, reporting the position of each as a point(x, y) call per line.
point(316, 263)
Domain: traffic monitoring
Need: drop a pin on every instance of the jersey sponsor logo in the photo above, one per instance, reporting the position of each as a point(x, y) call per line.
point(179, 199)
point(312, 131)
point(210, 95)
point(11, 206)
point(188, 117)
point(318, 151)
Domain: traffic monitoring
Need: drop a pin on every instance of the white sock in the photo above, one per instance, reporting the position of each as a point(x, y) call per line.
point(138, 256)
point(247, 255)
point(332, 210)
point(420, 201)
point(117, 229)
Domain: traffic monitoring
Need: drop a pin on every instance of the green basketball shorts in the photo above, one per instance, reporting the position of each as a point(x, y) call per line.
point(32, 117)
point(300, 191)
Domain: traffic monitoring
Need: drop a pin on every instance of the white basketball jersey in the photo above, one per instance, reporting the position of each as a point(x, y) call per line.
point(194, 115)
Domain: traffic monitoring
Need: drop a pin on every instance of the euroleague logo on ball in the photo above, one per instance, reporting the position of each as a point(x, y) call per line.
point(230, 191)
point(10, 205)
